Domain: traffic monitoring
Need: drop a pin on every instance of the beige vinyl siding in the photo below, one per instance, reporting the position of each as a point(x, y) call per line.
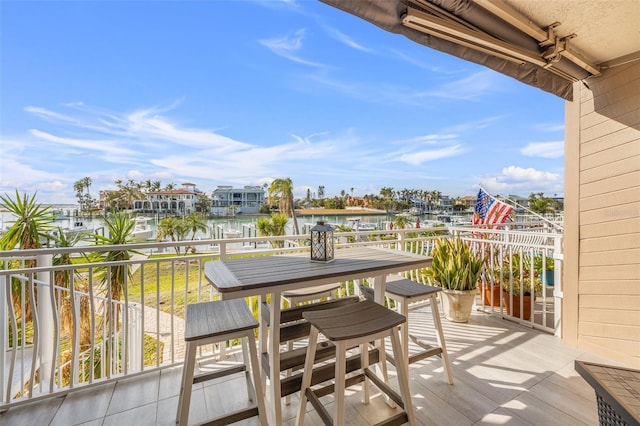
point(608, 290)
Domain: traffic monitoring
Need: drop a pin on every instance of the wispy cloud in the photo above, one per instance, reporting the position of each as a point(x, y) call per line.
point(426, 139)
point(152, 146)
point(419, 157)
point(288, 47)
point(346, 40)
point(467, 88)
point(418, 62)
point(544, 149)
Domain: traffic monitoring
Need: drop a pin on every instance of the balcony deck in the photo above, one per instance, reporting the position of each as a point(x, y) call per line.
point(504, 373)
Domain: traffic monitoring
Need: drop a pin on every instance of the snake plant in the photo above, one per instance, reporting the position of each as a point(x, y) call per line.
point(455, 266)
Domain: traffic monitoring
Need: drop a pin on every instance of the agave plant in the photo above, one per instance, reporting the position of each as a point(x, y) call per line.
point(455, 266)
point(33, 222)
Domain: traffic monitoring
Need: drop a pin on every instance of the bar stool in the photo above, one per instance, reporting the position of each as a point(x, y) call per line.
point(345, 327)
point(215, 322)
point(404, 291)
point(302, 296)
point(310, 294)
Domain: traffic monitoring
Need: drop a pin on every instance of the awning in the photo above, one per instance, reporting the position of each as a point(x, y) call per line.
point(487, 33)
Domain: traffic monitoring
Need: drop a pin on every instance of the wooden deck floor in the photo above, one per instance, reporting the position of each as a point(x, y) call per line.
point(504, 374)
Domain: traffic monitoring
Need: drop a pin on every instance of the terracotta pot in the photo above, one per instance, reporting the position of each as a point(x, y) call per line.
point(488, 300)
point(457, 304)
point(515, 312)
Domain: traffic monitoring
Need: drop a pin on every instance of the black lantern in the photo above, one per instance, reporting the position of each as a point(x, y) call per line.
point(322, 242)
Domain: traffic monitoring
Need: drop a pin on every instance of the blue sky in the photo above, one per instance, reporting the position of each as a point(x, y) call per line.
point(242, 92)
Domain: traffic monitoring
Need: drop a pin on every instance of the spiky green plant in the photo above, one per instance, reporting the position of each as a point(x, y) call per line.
point(33, 222)
point(455, 266)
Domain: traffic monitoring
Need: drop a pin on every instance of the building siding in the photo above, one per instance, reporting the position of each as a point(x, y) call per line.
point(607, 295)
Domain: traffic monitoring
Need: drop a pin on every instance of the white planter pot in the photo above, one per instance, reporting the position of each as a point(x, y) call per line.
point(457, 304)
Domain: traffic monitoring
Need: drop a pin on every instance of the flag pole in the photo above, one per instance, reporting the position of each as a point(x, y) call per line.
point(526, 209)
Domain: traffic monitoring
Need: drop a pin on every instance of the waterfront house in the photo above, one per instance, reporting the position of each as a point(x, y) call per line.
point(179, 201)
point(229, 200)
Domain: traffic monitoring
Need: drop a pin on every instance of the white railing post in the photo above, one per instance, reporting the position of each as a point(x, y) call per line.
point(135, 338)
point(558, 257)
point(4, 336)
point(46, 323)
point(401, 238)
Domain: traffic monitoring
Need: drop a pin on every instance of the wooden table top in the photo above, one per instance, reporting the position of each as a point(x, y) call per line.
point(259, 275)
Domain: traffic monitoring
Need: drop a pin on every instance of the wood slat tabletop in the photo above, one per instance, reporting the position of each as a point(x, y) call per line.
point(257, 275)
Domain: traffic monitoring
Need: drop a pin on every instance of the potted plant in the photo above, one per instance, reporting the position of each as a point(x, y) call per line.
point(490, 290)
point(545, 270)
point(456, 268)
point(517, 277)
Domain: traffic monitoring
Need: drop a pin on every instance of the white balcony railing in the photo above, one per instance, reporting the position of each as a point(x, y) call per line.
point(71, 326)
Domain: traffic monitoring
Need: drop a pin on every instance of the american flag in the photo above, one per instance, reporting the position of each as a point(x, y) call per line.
point(490, 211)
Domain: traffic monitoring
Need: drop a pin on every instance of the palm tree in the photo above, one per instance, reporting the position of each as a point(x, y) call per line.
point(272, 227)
point(173, 228)
point(33, 222)
point(435, 197)
point(78, 186)
point(282, 189)
point(194, 223)
point(112, 280)
point(400, 222)
point(64, 279)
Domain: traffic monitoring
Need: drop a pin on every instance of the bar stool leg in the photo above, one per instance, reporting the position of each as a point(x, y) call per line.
point(402, 368)
point(255, 371)
point(247, 374)
point(339, 383)
point(440, 338)
point(381, 367)
point(184, 400)
point(306, 378)
point(364, 362)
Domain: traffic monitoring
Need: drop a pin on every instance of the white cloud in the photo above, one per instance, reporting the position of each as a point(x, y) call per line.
point(517, 180)
point(544, 149)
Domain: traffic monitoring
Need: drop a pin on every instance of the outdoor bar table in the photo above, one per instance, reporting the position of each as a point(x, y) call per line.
point(259, 276)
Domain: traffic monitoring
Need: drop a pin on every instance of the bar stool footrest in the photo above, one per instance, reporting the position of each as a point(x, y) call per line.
point(314, 395)
point(384, 387)
point(325, 372)
point(233, 417)
point(397, 420)
point(219, 373)
point(429, 351)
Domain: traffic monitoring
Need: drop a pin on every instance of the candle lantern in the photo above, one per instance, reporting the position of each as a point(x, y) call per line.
point(322, 242)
